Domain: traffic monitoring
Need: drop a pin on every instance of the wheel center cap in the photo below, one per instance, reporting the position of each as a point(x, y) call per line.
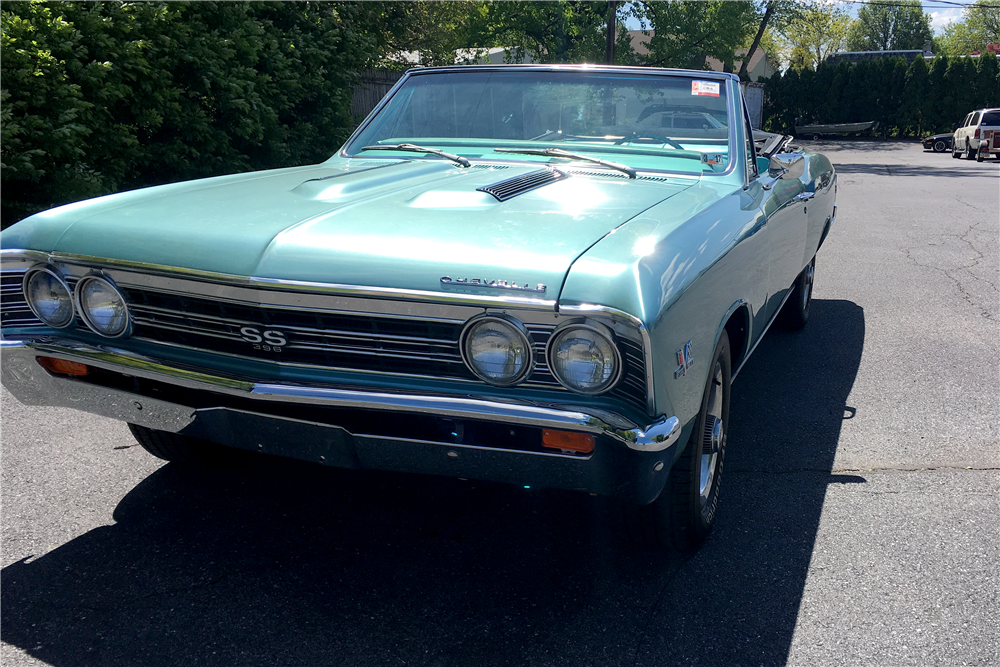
point(717, 435)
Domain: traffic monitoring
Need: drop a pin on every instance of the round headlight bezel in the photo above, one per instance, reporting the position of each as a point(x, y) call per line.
point(62, 282)
point(518, 329)
point(599, 329)
point(85, 315)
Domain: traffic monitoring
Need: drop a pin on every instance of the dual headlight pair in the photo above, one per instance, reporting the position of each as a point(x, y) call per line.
point(581, 355)
point(97, 301)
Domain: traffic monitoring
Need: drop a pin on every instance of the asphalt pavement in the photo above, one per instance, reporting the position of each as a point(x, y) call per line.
point(859, 521)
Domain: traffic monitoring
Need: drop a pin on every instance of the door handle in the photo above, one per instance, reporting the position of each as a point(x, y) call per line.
point(804, 196)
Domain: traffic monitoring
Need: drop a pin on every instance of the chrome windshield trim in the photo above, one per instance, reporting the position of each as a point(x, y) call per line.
point(31, 384)
point(730, 80)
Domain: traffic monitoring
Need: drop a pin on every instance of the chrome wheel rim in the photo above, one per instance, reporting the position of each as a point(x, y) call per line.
point(713, 437)
point(808, 287)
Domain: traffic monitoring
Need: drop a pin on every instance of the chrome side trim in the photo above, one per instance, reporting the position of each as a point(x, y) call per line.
point(32, 385)
point(746, 357)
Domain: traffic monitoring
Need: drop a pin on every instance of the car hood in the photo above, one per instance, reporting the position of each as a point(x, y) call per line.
point(385, 224)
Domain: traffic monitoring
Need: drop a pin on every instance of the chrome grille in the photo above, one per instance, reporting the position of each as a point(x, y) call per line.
point(315, 338)
point(348, 341)
point(14, 311)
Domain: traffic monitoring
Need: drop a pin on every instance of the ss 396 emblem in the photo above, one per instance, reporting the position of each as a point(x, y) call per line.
point(268, 340)
point(684, 360)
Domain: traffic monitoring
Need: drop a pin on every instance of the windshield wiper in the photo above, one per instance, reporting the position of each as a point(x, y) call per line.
point(413, 148)
point(558, 152)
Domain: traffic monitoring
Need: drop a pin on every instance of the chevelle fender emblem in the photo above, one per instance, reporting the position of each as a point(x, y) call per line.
point(492, 284)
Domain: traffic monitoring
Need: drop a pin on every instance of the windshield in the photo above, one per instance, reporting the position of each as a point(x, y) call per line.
point(670, 123)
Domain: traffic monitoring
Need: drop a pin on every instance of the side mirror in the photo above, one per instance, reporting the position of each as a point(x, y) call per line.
point(786, 166)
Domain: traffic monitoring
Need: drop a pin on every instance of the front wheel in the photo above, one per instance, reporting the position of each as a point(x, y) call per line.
point(940, 146)
point(181, 448)
point(795, 312)
point(684, 513)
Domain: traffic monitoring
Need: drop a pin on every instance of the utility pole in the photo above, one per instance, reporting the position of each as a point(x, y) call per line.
point(609, 52)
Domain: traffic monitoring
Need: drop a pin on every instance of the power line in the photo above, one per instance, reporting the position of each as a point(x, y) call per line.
point(949, 3)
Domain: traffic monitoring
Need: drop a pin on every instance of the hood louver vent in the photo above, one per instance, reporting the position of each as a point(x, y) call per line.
point(505, 190)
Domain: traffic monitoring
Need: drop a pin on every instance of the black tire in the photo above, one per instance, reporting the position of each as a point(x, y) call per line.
point(683, 515)
point(181, 448)
point(969, 154)
point(940, 146)
point(954, 152)
point(979, 156)
point(795, 313)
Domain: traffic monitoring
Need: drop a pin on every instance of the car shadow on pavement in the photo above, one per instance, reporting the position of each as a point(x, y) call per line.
point(282, 562)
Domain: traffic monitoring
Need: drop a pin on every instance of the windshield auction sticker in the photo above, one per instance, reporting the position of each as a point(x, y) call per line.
point(705, 88)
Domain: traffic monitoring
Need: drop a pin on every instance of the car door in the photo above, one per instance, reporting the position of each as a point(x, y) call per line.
point(785, 210)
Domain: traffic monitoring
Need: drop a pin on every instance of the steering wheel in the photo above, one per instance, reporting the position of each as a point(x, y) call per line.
point(645, 135)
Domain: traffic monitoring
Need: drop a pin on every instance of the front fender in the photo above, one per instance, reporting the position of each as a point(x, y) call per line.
point(682, 272)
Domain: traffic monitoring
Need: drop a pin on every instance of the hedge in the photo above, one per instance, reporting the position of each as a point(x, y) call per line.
point(108, 96)
point(906, 100)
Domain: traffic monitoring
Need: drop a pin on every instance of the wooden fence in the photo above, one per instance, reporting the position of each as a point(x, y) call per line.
point(370, 89)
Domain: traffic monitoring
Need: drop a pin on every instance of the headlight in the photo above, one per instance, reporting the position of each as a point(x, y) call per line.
point(102, 307)
point(583, 358)
point(49, 298)
point(497, 350)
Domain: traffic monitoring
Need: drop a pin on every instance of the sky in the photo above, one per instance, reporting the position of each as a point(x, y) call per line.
point(942, 12)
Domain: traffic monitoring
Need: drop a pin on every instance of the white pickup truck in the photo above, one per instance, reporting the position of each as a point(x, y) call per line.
point(978, 136)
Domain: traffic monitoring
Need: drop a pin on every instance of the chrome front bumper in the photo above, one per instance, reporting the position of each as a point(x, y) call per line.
point(642, 448)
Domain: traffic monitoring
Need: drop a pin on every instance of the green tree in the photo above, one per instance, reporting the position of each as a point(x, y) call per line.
point(686, 34)
point(891, 110)
point(431, 31)
point(773, 14)
point(987, 87)
point(943, 112)
point(890, 25)
point(979, 27)
point(105, 96)
point(814, 33)
point(567, 31)
point(917, 112)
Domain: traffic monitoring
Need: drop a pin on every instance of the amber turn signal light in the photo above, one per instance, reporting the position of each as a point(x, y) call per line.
point(574, 442)
point(63, 367)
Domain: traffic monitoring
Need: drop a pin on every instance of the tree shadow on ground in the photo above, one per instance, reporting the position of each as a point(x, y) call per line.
point(281, 562)
point(975, 170)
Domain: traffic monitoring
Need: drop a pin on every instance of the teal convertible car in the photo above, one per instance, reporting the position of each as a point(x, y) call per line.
point(540, 275)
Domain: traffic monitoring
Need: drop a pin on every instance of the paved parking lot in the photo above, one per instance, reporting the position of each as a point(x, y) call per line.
point(858, 525)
